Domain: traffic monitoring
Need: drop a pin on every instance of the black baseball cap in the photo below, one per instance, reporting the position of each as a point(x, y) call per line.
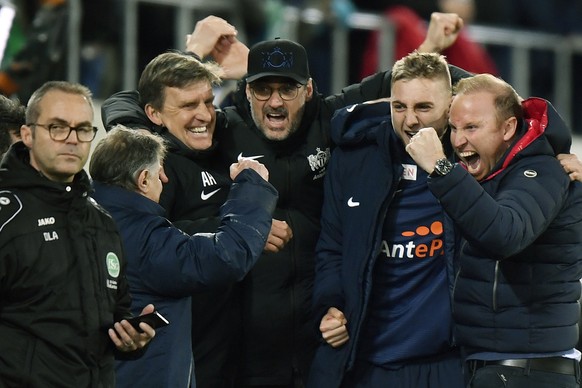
point(278, 57)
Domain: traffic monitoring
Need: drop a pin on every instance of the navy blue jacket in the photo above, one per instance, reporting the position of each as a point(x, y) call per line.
point(521, 260)
point(165, 266)
point(365, 165)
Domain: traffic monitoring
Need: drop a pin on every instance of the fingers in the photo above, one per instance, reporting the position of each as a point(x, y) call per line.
point(148, 309)
point(449, 22)
point(572, 165)
point(215, 26)
point(337, 314)
point(279, 236)
point(123, 335)
point(282, 230)
point(210, 34)
point(442, 32)
point(425, 148)
point(333, 328)
point(127, 339)
point(260, 168)
point(336, 337)
point(232, 56)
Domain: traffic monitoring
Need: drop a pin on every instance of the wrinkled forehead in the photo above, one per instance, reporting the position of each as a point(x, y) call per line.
point(413, 91)
point(192, 92)
point(66, 107)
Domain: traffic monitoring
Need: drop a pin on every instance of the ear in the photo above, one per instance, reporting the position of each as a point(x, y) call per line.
point(309, 88)
point(143, 186)
point(27, 135)
point(248, 92)
point(153, 114)
point(509, 128)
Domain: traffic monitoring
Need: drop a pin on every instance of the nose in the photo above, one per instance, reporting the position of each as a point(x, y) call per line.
point(163, 176)
point(275, 99)
point(458, 139)
point(410, 119)
point(72, 138)
point(204, 113)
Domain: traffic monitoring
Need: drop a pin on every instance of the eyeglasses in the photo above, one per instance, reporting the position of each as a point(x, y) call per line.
point(61, 132)
point(286, 92)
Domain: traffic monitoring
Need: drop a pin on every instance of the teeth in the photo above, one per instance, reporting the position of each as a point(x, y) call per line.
point(467, 154)
point(197, 129)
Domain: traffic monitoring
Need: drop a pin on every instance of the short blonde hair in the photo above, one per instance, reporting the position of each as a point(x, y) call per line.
point(506, 100)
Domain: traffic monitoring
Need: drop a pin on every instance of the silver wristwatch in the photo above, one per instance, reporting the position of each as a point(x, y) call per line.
point(442, 167)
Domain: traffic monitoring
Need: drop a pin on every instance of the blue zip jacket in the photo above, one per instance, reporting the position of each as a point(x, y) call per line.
point(518, 286)
point(365, 167)
point(165, 266)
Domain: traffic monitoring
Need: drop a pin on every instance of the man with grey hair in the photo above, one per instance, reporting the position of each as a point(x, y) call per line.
point(63, 291)
point(165, 265)
point(11, 119)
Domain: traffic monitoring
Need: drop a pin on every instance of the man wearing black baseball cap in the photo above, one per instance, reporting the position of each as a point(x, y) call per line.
point(278, 65)
point(279, 57)
point(279, 118)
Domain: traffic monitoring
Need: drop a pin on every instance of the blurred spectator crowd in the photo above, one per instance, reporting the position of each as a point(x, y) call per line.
point(37, 40)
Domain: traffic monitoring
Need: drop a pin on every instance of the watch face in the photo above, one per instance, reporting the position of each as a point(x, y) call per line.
point(443, 166)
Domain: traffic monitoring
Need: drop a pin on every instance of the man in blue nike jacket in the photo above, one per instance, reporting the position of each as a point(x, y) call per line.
point(384, 264)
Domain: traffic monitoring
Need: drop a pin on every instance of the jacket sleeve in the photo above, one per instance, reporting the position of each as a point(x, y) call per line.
point(525, 202)
point(327, 287)
point(371, 88)
point(176, 264)
point(125, 108)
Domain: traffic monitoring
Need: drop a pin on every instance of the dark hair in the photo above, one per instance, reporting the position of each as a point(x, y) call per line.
point(173, 69)
point(12, 115)
point(123, 154)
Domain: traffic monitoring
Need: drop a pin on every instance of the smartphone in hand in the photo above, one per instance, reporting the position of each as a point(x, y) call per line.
point(155, 320)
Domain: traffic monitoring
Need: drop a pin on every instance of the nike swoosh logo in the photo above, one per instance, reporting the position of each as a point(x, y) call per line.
point(241, 157)
point(352, 203)
point(351, 108)
point(204, 196)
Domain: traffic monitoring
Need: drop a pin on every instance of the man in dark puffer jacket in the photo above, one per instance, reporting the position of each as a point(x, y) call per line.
point(517, 289)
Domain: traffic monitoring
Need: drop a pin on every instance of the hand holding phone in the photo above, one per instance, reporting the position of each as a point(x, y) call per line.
point(155, 320)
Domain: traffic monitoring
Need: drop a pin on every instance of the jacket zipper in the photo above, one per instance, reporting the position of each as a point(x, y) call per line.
point(454, 289)
point(495, 281)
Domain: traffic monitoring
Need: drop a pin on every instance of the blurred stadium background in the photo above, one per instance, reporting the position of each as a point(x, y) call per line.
point(105, 44)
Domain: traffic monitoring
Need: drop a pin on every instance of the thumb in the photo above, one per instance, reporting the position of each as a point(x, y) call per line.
point(148, 309)
point(337, 314)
